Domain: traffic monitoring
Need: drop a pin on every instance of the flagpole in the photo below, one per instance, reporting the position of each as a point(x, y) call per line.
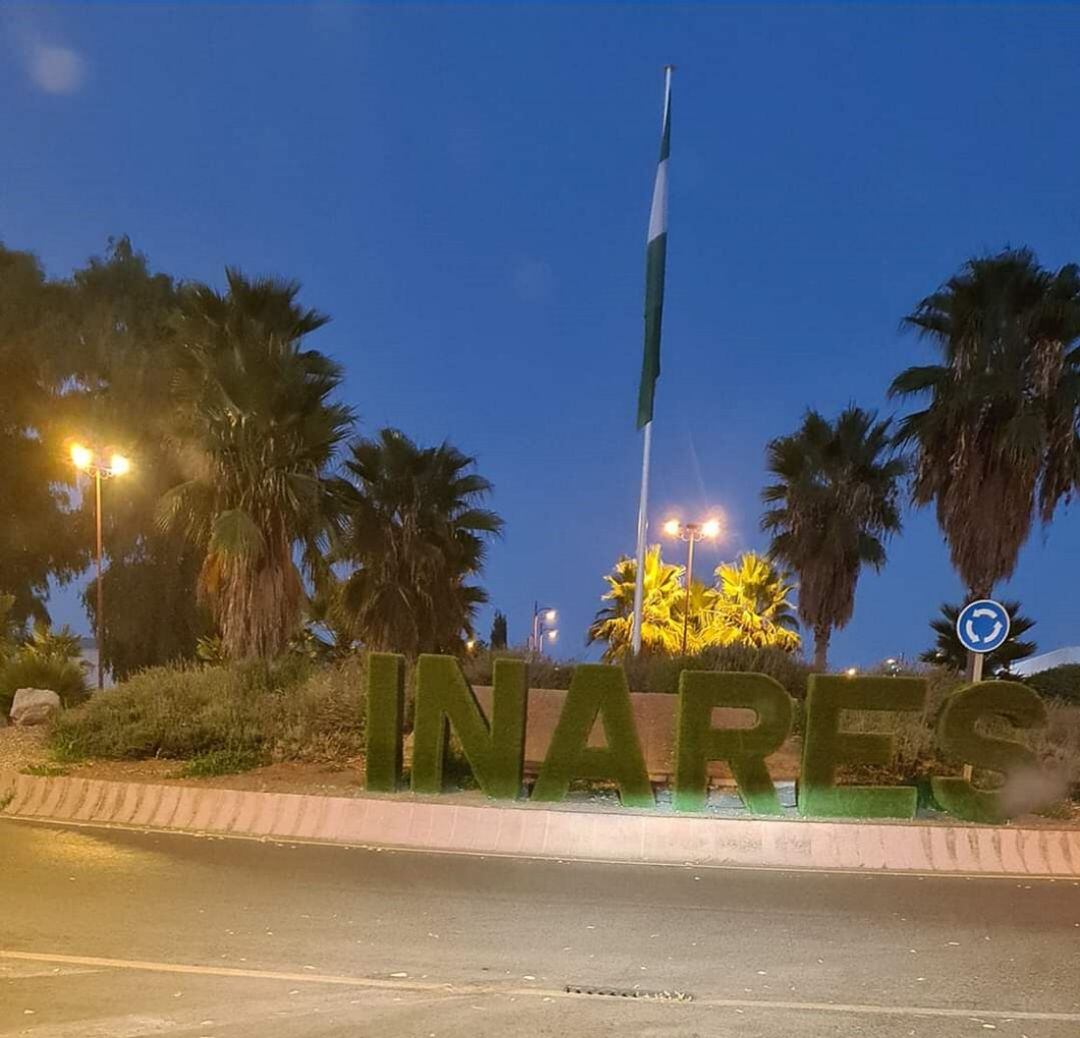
point(643, 501)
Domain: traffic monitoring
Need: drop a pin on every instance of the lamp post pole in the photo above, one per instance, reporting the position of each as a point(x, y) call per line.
point(100, 617)
point(691, 533)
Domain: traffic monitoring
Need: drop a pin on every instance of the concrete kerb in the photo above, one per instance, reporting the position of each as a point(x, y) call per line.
point(543, 832)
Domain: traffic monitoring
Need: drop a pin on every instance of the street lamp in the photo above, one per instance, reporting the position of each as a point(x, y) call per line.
point(691, 533)
point(543, 617)
point(96, 464)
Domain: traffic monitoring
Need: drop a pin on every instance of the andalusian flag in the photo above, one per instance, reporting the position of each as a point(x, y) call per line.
point(655, 260)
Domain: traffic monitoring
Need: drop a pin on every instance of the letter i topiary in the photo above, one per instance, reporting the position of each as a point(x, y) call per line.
point(596, 691)
point(745, 749)
point(827, 746)
point(385, 708)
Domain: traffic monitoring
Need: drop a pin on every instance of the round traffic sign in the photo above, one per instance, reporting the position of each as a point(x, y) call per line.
point(983, 626)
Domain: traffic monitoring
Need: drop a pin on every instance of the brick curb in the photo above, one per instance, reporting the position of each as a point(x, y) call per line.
point(548, 833)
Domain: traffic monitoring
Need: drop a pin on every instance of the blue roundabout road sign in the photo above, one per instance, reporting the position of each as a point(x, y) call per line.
point(983, 626)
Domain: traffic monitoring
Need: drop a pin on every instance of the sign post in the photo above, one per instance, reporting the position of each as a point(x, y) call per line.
point(982, 627)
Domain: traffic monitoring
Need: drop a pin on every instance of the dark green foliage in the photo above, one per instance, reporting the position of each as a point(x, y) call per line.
point(948, 652)
point(745, 749)
point(596, 691)
point(494, 751)
point(835, 502)
point(416, 532)
point(544, 672)
point(828, 747)
point(498, 631)
point(661, 674)
point(385, 710)
point(221, 762)
point(959, 739)
point(283, 711)
point(1059, 682)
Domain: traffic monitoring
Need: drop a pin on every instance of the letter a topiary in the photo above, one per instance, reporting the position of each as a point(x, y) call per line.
point(444, 699)
point(958, 737)
point(596, 691)
point(385, 706)
point(745, 749)
point(826, 747)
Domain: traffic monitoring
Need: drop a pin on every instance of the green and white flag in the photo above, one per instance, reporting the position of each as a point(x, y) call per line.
point(655, 261)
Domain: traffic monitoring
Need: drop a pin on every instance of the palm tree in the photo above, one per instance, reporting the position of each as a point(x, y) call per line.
point(661, 611)
point(751, 605)
point(997, 440)
point(949, 652)
point(257, 435)
point(835, 501)
point(416, 532)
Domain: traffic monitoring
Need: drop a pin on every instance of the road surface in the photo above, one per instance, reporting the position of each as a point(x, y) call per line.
point(121, 934)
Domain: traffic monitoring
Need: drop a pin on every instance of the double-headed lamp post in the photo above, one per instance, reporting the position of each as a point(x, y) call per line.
point(99, 465)
point(543, 616)
point(691, 533)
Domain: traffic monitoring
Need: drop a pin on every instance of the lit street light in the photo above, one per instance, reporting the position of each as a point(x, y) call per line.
point(691, 533)
point(94, 464)
point(543, 617)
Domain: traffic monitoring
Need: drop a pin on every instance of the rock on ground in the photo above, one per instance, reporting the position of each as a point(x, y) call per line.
point(33, 706)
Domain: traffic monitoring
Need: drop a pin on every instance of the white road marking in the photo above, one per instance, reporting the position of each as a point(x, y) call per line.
point(849, 1008)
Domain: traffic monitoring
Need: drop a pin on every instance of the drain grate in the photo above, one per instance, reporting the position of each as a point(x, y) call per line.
point(638, 993)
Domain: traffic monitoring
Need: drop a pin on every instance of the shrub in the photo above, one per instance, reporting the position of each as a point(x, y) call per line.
point(221, 762)
point(286, 712)
point(1058, 683)
point(23, 670)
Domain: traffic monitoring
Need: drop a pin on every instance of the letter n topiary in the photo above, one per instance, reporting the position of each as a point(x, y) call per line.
point(596, 691)
point(495, 752)
point(385, 707)
point(827, 746)
point(745, 749)
point(958, 738)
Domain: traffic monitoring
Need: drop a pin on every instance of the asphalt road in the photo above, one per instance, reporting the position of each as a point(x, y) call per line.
point(122, 934)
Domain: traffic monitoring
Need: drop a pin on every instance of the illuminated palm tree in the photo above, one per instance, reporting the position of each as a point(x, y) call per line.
point(661, 616)
point(751, 605)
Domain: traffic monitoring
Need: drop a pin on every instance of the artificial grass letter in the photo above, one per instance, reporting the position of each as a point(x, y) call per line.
point(745, 749)
point(385, 707)
point(596, 690)
point(958, 737)
point(495, 752)
point(826, 747)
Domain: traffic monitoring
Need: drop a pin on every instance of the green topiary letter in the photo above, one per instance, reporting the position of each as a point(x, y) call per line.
point(385, 707)
point(826, 746)
point(596, 691)
point(958, 737)
point(496, 752)
point(745, 749)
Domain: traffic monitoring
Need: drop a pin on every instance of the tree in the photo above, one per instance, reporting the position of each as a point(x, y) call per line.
point(949, 652)
point(751, 605)
point(257, 435)
point(661, 616)
point(997, 441)
point(38, 539)
point(123, 356)
point(834, 502)
point(498, 631)
point(416, 532)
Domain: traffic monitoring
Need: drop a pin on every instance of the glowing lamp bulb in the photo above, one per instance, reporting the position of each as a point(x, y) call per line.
point(82, 457)
point(672, 527)
point(119, 465)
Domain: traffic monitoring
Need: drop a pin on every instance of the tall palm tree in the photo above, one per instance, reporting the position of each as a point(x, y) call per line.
point(661, 611)
point(257, 433)
point(949, 652)
point(416, 532)
point(834, 503)
point(751, 605)
point(997, 440)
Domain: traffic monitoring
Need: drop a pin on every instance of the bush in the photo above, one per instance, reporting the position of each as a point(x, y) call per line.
point(1058, 683)
point(221, 762)
point(64, 677)
point(290, 711)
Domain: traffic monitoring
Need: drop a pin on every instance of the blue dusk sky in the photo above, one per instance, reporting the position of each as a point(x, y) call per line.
point(466, 190)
